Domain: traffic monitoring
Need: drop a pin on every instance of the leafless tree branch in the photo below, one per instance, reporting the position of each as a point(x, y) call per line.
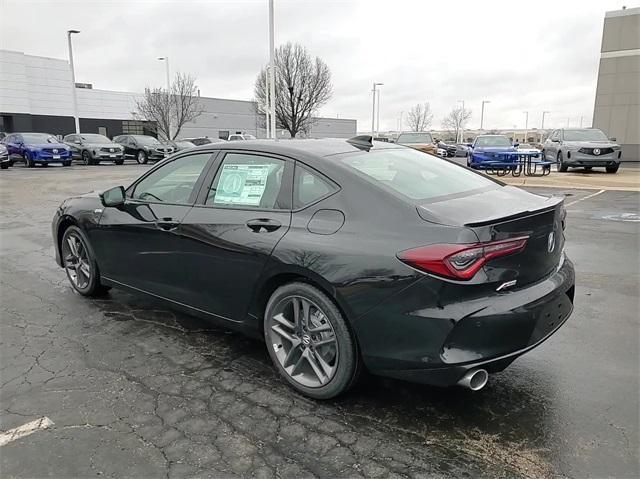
point(456, 120)
point(420, 117)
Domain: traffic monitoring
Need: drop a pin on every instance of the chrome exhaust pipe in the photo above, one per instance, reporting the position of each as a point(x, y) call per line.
point(475, 379)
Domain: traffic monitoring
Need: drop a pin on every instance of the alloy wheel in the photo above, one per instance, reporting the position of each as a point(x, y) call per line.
point(76, 261)
point(86, 159)
point(304, 341)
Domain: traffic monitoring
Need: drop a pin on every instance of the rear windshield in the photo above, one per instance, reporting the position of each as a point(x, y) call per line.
point(414, 174)
point(420, 137)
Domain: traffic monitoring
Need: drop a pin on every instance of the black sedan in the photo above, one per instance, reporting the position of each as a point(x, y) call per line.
point(341, 255)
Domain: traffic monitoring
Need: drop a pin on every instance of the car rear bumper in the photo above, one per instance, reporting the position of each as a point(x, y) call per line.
point(417, 336)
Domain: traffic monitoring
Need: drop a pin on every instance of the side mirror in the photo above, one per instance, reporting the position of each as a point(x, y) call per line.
point(113, 196)
point(516, 145)
point(613, 138)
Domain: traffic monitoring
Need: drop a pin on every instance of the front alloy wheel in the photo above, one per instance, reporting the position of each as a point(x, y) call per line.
point(86, 158)
point(309, 341)
point(79, 263)
point(562, 167)
point(141, 157)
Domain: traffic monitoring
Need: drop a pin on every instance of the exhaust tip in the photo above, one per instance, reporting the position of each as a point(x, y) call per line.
point(475, 379)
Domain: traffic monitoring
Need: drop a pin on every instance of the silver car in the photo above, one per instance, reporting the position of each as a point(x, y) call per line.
point(583, 148)
point(92, 148)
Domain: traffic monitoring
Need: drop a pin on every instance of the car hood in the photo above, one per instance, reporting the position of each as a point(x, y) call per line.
point(486, 206)
point(591, 144)
point(102, 145)
point(46, 145)
point(496, 149)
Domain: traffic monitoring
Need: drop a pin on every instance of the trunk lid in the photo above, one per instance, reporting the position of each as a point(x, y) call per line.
point(505, 213)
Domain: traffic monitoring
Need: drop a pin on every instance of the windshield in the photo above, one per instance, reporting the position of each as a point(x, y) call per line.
point(249, 137)
point(499, 141)
point(414, 174)
point(584, 135)
point(146, 140)
point(95, 138)
point(421, 137)
point(38, 138)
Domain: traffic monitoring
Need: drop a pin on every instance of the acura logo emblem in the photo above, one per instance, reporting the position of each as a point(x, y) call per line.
point(551, 242)
point(596, 151)
point(55, 151)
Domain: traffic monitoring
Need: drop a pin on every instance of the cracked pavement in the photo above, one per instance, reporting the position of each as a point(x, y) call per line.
point(135, 389)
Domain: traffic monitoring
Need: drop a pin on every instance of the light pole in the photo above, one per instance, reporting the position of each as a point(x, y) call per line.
point(482, 113)
point(166, 62)
point(272, 72)
point(461, 127)
point(378, 116)
point(266, 102)
point(373, 111)
point(526, 126)
point(73, 82)
point(542, 126)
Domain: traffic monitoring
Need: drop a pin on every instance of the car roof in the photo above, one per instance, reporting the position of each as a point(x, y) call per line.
point(321, 147)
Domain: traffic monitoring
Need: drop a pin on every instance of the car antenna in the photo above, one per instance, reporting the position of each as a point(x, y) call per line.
point(364, 142)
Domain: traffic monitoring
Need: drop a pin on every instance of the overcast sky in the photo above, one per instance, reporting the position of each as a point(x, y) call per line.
point(536, 55)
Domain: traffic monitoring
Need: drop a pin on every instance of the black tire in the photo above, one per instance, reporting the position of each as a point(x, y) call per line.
point(66, 163)
point(93, 287)
point(119, 162)
point(561, 166)
point(4, 166)
point(28, 162)
point(141, 157)
point(86, 158)
point(612, 169)
point(347, 357)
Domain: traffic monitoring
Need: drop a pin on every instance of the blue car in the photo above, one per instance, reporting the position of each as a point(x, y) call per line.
point(491, 148)
point(37, 148)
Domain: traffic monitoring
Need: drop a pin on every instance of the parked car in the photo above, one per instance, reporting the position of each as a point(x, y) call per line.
point(486, 148)
point(5, 162)
point(37, 148)
point(529, 149)
point(203, 140)
point(583, 147)
point(419, 140)
point(92, 148)
point(450, 149)
point(244, 136)
point(462, 150)
point(338, 253)
point(143, 148)
point(179, 145)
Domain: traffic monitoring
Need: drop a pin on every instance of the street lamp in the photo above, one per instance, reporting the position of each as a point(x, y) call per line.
point(373, 111)
point(73, 82)
point(542, 126)
point(526, 126)
point(378, 115)
point(482, 113)
point(166, 62)
point(272, 72)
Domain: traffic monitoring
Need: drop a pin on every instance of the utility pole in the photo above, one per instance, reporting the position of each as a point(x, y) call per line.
point(272, 73)
point(266, 103)
point(373, 110)
point(526, 126)
point(542, 126)
point(482, 114)
point(378, 115)
point(73, 82)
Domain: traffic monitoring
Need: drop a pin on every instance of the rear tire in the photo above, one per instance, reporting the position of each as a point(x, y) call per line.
point(561, 166)
point(80, 264)
point(612, 169)
point(316, 354)
point(4, 166)
point(28, 162)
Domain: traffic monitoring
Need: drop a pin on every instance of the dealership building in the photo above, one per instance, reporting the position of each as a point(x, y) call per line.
point(35, 95)
point(617, 106)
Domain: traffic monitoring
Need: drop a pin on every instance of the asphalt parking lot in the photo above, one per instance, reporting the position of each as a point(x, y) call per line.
point(134, 389)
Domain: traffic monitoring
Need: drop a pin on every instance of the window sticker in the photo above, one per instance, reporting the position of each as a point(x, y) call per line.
point(242, 184)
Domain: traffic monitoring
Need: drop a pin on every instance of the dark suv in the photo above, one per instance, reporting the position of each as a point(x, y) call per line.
point(143, 147)
point(92, 148)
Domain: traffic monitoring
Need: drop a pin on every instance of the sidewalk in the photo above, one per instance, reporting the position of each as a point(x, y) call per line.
point(626, 179)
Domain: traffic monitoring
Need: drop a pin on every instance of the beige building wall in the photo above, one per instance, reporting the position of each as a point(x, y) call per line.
point(617, 106)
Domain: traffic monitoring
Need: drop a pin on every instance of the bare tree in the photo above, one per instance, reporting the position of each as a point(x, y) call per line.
point(169, 111)
point(456, 120)
point(303, 85)
point(420, 117)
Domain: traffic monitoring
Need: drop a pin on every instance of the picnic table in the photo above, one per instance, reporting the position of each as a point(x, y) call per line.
point(528, 164)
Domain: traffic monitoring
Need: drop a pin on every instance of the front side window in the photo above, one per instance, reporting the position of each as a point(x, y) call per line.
point(309, 186)
point(174, 182)
point(249, 181)
point(415, 175)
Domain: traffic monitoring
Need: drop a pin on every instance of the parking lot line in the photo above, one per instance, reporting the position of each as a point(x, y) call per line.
point(586, 197)
point(25, 430)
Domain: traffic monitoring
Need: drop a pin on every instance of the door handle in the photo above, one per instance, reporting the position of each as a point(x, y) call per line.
point(263, 225)
point(167, 224)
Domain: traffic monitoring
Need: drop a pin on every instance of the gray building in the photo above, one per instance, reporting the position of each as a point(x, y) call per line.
point(617, 106)
point(36, 95)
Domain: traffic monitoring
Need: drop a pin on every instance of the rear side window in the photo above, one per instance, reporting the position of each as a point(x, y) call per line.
point(414, 174)
point(309, 187)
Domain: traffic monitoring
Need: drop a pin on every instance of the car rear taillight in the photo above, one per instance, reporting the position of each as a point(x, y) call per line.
point(459, 261)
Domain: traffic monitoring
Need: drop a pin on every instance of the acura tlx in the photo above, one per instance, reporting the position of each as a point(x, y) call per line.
point(342, 255)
